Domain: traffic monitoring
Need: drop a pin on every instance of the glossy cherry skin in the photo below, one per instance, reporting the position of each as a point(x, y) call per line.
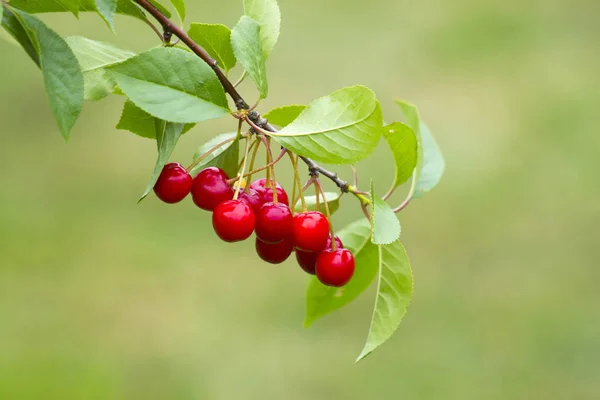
point(266, 193)
point(173, 184)
point(252, 198)
point(274, 222)
point(274, 253)
point(233, 220)
point(310, 231)
point(307, 260)
point(210, 188)
point(335, 267)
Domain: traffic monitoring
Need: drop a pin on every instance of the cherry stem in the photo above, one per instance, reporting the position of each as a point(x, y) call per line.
point(209, 152)
point(327, 213)
point(410, 194)
point(354, 176)
point(239, 184)
point(240, 80)
point(250, 173)
point(297, 184)
point(253, 159)
point(271, 182)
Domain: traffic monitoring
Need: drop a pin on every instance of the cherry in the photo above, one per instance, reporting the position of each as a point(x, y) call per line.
point(233, 220)
point(266, 193)
point(274, 222)
point(173, 184)
point(252, 198)
point(335, 267)
point(210, 188)
point(310, 231)
point(274, 253)
point(308, 259)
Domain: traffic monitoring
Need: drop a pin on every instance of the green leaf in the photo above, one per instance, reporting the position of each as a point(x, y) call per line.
point(126, 7)
point(341, 128)
point(225, 156)
point(1, 12)
point(333, 202)
point(107, 10)
point(137, 121)
point(247, 47)
point(403, 143)
point(172, 84)
point(216, 40)
point(394, 292)
point(93, 58)
point(385, 224)
point(167, 135)
point(268, 16)
point(15, 28)
point(62, 75)
point(322, 300)
point(282, 116)
point(430, 161)
point(180, 8)
point(163, 10)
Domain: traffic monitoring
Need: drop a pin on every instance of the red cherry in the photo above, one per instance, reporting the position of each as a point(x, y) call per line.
point(210, 188)
point(335, 267)
point(310, 231)
point(233, 220)
point(308, 259)
point(274, 222)
point(274, 253)
point(251, 198)
point(266, 193)
point(173, 184)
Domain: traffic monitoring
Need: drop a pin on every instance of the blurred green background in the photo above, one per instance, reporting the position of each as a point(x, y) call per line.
point(101, 298)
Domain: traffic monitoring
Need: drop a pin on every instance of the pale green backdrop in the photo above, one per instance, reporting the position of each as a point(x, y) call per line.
point(101, 298)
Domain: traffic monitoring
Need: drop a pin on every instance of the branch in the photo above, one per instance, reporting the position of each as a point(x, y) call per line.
point(240, 103)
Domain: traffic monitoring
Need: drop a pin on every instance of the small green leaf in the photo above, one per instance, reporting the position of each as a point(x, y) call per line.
point(180, 8)
point(126, 7)
point(282, 116)
point(137, 121)
point(385, 224)
point(62, 75)
point(216, 40)
point(225, 156)
point(13, 25)
point(403, 143)
point(107, 10)
point(341, 128)
point(394, 292)
point(333, 202)
point(247, 47)
point(94, 57)
point(172, 84)
point(322, 300)
point(430, 161)
point(167, 135)
point(268, 16)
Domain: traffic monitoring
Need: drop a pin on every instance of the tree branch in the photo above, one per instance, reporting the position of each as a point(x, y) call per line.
point(240, 103)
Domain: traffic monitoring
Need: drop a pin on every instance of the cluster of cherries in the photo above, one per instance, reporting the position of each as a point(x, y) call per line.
point(279, 231)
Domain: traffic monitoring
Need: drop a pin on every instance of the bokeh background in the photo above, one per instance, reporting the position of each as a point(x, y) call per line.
point(101, 298)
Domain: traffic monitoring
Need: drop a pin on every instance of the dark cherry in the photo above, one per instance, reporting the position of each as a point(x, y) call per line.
point(335, 267)
point(274, 253)
point(274, 222)
point(210, 188)
point(173, 184)
point(252, 198)
point(308, 259)
point(310, 231)
point(266, 193)
point(233, 220)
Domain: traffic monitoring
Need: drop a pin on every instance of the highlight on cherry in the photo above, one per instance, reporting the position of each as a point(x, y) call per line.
point(192, 75)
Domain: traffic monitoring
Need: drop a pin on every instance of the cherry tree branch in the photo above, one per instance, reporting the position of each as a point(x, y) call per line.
point(240, 103)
